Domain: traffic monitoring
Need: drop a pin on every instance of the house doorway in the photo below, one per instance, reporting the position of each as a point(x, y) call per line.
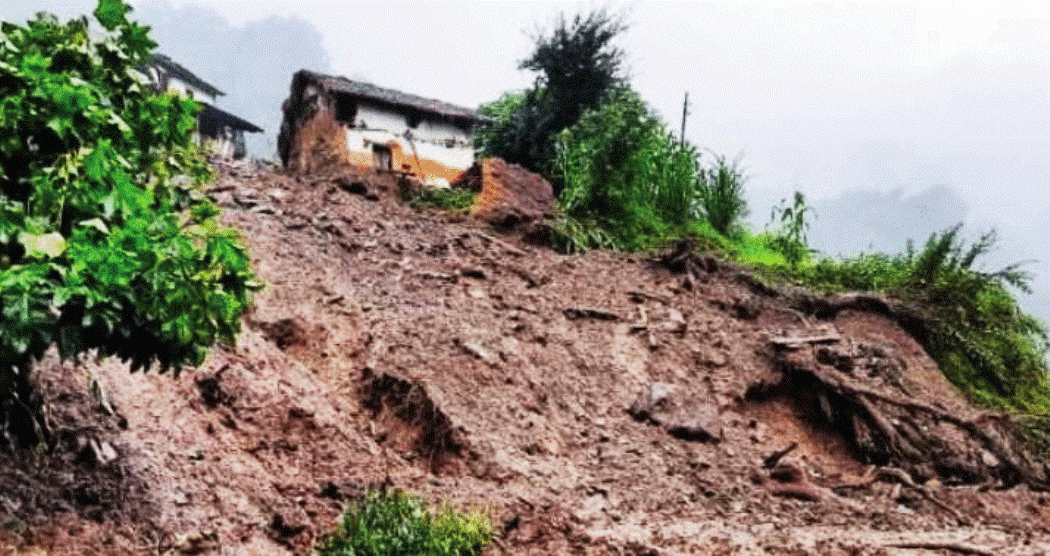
point(383, 158)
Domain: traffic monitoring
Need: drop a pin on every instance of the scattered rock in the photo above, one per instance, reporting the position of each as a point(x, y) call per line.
point(684, 416)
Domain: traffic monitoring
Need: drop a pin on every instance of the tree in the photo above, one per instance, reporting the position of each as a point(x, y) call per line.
point(106, 241)
point(577, 66)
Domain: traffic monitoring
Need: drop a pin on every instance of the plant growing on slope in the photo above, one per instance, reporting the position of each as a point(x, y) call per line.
point(974, 327)
point(106, 242)
point(394, 523)
point(790, 239)
point(626, 173)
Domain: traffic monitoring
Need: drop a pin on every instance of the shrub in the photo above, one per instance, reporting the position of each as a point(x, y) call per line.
point(721, 194)
point(394, 523)
point(576, 65)
point(627, 174)
point(107, 243)
point(790, 238)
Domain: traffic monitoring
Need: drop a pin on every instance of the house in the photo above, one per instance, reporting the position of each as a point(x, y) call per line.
point(217, 129)
point(333, 120)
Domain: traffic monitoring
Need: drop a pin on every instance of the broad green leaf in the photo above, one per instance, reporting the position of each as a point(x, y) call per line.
point(43, 246)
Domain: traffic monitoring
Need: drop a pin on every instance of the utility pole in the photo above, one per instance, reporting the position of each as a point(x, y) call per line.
point(685, 112)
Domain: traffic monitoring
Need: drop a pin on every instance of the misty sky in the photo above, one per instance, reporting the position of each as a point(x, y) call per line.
point(895, 120)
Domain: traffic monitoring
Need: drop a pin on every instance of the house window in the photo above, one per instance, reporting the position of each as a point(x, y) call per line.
point(382, 157)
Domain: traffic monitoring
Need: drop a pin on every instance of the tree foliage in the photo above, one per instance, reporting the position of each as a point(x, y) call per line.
point(576, 65)
point(106, 241)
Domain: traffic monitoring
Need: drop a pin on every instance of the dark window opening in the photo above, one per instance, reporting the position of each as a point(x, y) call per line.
point(383, 157)
point(345, 109)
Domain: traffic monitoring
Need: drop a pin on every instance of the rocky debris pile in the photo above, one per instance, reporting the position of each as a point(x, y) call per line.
point(599, 404)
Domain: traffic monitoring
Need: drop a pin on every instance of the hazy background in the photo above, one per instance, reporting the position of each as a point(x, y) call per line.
point(894, 120)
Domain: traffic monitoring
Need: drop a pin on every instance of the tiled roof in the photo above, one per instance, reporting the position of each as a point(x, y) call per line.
point(393, 98)
point(185, 75)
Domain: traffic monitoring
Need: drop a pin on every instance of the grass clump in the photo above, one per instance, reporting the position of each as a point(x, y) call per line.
point(395, 523)
point(629, 184)
point(453, 200)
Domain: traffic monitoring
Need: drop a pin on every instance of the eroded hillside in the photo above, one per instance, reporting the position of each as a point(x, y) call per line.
point(594, 404)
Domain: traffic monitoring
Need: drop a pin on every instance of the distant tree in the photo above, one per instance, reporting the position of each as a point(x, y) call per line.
point(106, 241)
point(577, 66)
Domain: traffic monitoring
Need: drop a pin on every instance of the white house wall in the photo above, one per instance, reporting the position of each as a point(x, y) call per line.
point(431, 141)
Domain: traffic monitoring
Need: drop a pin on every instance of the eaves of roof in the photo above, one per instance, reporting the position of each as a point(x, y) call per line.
point(394, 98)
point(180, 72)
point(211, 118)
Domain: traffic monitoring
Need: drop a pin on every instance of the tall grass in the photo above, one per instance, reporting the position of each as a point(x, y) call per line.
point(626, 175)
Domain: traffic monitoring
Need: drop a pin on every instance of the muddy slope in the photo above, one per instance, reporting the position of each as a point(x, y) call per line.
point(595, 404)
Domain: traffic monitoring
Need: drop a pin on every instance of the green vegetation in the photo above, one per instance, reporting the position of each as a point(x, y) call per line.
point(974, 329)
point(622, 178)
point(393, 523)
point(453, 200)
point(576, 65)
point(106, 242)
point(624, 182)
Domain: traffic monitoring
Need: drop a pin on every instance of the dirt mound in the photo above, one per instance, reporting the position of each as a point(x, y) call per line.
point(594, 404)
point(509, 196)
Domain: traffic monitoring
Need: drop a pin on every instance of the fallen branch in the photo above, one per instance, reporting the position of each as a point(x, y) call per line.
point(574, 313)
point(773, 459)
point(799, 341)
point(651, 296)
point(959, 547)
point(506, 246)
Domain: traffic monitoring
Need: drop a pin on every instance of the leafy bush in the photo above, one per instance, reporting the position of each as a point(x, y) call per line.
point(627, 174)
point(721, 192)
point(398, 524)
point(107, 244)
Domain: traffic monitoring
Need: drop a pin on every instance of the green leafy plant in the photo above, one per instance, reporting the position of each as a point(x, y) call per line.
point(974, 328)
point(790, 238)
point(106, 241)
point(624, 172)
point(722, 194)
point(394, 523)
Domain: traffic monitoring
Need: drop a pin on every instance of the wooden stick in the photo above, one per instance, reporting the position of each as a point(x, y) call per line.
point(943, 545)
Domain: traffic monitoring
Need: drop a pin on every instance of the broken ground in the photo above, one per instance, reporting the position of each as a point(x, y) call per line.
point(592, 404)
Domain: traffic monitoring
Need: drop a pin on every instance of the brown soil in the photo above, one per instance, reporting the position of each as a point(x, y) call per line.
point(420, 351)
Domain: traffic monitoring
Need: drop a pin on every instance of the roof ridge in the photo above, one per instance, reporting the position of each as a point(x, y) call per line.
point(393, 96)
